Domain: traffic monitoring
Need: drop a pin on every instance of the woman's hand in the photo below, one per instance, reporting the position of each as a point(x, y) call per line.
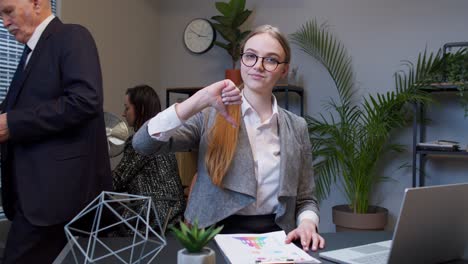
point(225, 93)
point(307, 232)
point(216, 95)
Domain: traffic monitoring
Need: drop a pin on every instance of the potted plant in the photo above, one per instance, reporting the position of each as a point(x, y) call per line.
point(194, 240)
point(233, 15)
point(349, 140)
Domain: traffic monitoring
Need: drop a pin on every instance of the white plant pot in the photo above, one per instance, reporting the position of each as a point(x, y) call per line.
point(207, 256)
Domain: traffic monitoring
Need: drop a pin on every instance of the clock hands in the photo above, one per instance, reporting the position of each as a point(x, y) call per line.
point(200, 36)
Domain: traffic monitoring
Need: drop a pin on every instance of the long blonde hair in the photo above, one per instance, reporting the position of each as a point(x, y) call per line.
point(222, 142)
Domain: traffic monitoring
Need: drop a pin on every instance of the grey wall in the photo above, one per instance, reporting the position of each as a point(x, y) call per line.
point(126, 36)
point(127, 39)
point(140, 41)
point(378, 34)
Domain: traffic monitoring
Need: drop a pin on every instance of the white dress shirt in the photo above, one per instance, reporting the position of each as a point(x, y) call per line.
point(265, 144)
point(32, 42)
point(266, 157)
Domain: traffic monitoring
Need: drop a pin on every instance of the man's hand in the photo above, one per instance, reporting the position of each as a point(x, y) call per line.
point(4, 132)
point(306, 232)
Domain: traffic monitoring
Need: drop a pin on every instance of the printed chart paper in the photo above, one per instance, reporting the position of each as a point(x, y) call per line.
point(261, 248)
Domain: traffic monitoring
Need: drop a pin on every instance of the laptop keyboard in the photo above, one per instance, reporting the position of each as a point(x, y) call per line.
point(373, 259)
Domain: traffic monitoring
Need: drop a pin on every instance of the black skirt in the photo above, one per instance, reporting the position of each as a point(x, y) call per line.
point(235, 224)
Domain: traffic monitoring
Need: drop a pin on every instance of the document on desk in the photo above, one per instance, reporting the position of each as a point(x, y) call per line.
point(261, 248)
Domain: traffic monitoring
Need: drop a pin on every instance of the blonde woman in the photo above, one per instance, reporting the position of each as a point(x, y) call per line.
point(254, 167)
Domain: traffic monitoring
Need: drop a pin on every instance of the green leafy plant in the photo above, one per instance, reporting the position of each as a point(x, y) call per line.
point(350, 138)
point(233, 15)
point(454, 71)
point(194, 238)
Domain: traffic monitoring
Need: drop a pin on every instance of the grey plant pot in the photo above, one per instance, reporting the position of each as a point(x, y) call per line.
point(346, 220)
point(207, 256)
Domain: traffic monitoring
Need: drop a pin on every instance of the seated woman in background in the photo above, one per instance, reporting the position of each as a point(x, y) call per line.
point(255, 167)
point(155, 176)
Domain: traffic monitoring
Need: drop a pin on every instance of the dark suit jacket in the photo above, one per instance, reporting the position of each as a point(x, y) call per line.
point(56, 159)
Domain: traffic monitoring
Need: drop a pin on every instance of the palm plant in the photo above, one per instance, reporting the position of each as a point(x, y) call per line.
point(348, 141)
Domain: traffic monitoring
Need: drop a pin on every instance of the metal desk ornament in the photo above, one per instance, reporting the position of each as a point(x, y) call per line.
point(89, 232)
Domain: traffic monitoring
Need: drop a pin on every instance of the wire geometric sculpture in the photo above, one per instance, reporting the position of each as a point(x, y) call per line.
point(112, 211)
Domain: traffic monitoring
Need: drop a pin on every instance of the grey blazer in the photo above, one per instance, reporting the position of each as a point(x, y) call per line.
point(209, 203)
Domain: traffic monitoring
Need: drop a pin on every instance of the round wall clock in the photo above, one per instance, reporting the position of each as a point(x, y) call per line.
point(199, 35)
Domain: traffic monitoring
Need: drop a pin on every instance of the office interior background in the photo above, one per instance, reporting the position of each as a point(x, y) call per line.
point(140, 41)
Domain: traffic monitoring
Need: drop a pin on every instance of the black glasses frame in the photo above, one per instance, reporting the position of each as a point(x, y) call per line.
point(263, 59)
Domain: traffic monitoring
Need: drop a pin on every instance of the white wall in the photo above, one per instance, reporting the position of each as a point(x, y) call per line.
point(378, 34)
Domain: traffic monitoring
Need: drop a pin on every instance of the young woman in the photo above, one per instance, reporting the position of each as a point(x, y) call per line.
point(254, 167)
point(155, 176)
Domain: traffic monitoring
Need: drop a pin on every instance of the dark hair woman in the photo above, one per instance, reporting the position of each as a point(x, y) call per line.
point(155, 176)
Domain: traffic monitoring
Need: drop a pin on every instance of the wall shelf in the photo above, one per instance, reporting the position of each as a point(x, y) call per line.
point(419, 129)
point(419, 135)
point(286, 89)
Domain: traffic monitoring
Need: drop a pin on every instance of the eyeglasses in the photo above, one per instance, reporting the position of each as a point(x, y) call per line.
point(269, 64)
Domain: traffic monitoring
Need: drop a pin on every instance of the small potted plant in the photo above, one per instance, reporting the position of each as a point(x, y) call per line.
point(194, 240)
point(233, 15)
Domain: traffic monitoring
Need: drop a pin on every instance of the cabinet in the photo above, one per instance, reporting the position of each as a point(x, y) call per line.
point(419, 135)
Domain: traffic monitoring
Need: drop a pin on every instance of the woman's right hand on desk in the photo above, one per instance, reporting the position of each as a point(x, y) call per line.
point(216, 95)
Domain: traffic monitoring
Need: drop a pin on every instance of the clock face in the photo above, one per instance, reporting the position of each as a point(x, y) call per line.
point(199, 36)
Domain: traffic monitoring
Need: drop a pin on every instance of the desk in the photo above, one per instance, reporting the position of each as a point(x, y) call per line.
point(169, 253)
point(333, 241)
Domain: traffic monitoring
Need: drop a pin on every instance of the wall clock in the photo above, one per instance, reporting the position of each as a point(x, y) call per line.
point(199, 36)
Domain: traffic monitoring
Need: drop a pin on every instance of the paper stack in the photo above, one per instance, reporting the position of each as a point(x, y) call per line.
point(439, 145)
point(261, 249)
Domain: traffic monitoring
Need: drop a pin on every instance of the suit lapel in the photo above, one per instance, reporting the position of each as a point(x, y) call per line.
point(241, 174)
point(11, 95)
point(19, 78)
point(286, 145)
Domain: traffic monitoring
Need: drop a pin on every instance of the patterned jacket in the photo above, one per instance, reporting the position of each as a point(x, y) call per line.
point(155, 176)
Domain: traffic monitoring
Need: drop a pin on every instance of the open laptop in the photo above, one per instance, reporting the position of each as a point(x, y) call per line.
point(432, 228)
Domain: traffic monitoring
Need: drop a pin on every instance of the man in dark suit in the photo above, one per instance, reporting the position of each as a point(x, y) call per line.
point(53, 144)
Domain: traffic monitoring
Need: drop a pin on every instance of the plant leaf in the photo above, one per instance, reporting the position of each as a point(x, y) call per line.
point(237, 5)
point(241, 18)
point(233, 16)
point(225, 21)
point(223, 8)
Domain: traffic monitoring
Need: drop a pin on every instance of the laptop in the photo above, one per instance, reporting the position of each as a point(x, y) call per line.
point(432, 228)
